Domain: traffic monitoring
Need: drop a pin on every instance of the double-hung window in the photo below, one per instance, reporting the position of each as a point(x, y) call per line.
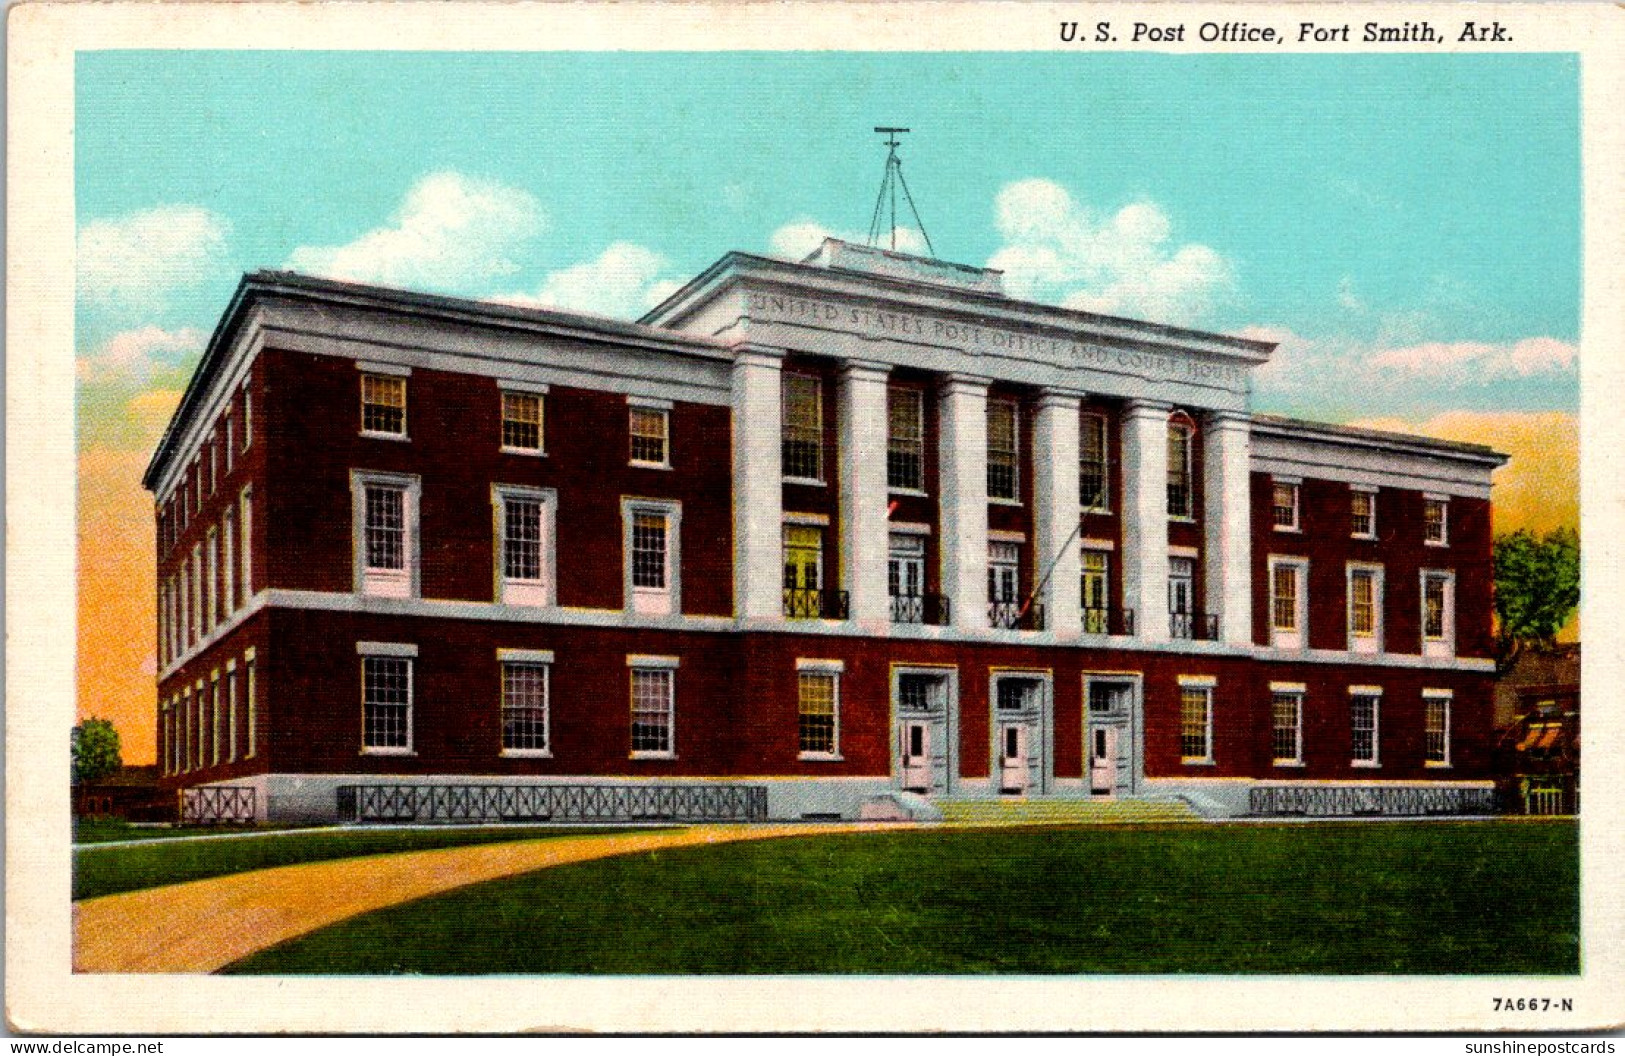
point(245, 504)
point(212, 590)
point(1284, 505)
point(526, 688)
point(905, 440)
point(1365, 724)
point(1181, 444)
point(383, 405)
point(385, 511)
point(248, 413)
point(1363, 513)
point(1438, 613)
point(525, 553)
point(649, 424)
point(228, 564)
point(1286, 710)
point(818, 709)
point(1094, 464)
point(803, 428)
point(1436, 520)
point(1003, 451)
point(1289, 579)
point(386, 697)
point(231, 711)
point(1196, 719)
point(253, 702)
point(1436, 726)
point(522, 421)
point(654, 680)
point(650, 541)
point(1365, 608)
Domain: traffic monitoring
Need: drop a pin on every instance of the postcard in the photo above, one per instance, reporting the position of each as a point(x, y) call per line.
point(890, 517)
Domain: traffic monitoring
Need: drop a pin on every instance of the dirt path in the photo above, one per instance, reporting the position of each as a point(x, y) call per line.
point(207, 924)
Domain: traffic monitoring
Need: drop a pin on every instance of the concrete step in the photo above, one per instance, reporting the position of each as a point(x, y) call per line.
point(984, 812)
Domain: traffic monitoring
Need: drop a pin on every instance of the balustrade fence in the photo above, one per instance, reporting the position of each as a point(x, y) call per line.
point(800, 604)
point(478, 803)
point(225, 805)
point(1347, 801)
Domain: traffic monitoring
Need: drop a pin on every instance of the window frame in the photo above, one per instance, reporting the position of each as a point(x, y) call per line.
point(228, 562)
point(1104, 462)
point(819, 669)
point(1003, 569)
point(1296, 692)
point(813, 435)
point(649, 666)
point(651, 409)
point(996, 457)
point(1180, 425)
point(1374, 695)
point(1373, 641)
point(406, 654)
point(1205, 685)
point(231, 710)
point(507, 390)
point(1370, 495)
point(252, 710)
point(245, 525)
point(526, 658)
point(385, 582)
point(1444, 643)
point(1296, 637)
point(1442, 504)
point(652, 601)
point(1444, 700)
point(211, 558)
point(900, 446)
point(542, 591)
point(1102, 578)
point(248, 411)
point(380, 374)
point(1295, 488)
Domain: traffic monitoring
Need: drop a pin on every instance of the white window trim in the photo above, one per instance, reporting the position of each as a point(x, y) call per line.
point(541, 592)
point(807, 520)
point(1444, 521)
point(651, 603)
point(919, 395)
point(833, 668)
point(1445, 645)
point(412, 573)
point(1296, 484)
point(385, 370)
point(1015, 451)
point(1292, 689)
point(655, 663)
point(525, 656)
point(818, 387)
point(251, 711)
point(1189, 429)
point(248, 413)
point(214, 717)
point(1372, 643)
point(1207, 684)
point(542, 658)
point(1370, 490)
point(231, 437)
point(392, 650)
point(231, 710)
point(523, 388)
point(1375, 762)
point(212, 559)
point(245, 521)
point(1298, 639)
point(228, 561)
point(661, 407)
point(1105, 460)
point(1449, 697)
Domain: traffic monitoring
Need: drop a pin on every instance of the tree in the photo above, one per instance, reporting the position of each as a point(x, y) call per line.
point(95, 750)
point(1537, 587)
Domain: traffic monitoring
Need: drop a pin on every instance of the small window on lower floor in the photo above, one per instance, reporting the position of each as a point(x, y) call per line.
point(386, 723)
point(525, 687)
point(653, 701)
point(1436, 720)
point(1286, 706)
point(1365, 708)
point(1196, 723)
point(818, 713)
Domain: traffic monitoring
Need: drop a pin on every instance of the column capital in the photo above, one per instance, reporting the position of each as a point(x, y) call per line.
point(1228, 420)
point(1059, 398)
point(970, 384)
point(1142, 408)
point(865, 370)
point(748, 355)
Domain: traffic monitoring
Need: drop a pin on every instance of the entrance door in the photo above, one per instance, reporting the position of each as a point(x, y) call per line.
point(916, 753)
point(1109, 744)
point(1103, 760)
point(1013, 759)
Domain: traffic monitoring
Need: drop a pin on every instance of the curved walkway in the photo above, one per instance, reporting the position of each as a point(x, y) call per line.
point(207, 924)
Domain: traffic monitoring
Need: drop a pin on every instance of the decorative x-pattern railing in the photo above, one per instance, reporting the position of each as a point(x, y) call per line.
point(474, 803)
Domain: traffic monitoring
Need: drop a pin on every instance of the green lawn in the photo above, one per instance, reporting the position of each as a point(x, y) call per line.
point(1451, 898)
point(110, 830)
point(109, 870)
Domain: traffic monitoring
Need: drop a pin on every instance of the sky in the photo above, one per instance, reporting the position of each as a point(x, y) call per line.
point(1407, 227)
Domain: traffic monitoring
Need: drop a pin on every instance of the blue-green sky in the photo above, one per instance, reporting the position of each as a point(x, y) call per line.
point(1408, 225)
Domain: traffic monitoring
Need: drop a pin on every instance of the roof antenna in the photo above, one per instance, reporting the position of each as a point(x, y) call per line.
point(889, 183)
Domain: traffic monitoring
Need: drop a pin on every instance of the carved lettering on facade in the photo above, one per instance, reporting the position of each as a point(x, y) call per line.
point(979, 340)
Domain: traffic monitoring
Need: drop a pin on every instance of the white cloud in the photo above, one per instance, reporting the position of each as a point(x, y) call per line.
point(450, 232)
point(136, 355)
point(624, 281)
point(137, 261)
point(1058, 249)
point(799, 238)
point(1522, 359)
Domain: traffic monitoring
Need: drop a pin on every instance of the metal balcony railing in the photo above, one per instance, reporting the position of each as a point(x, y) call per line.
point(1011, 615)
point(805, 604)
point(1196, 626)
point(932, 609)
point(1108, 621)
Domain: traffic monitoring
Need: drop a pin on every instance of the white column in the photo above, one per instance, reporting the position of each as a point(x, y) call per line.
point(758, 500)
point(962, 458)
point(1145, 516)
point(1226, 480)
point(861, 414)
point(1055, 519)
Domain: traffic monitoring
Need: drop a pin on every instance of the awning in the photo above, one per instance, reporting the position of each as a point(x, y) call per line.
point(1550, 737)
point(1533, 735)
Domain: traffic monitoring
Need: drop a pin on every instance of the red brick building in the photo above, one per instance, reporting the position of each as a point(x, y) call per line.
point(859, 529)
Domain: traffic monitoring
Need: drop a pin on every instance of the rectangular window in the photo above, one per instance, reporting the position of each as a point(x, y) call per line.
point(1286, 707)
point(1436, 521)
point(199, 628)
point(650, 428)
point(1364, 720)
point(1003, 454)
point(231, 711)
point(1180, 444)
point(1003, 570)
point(1364, 602)
point(1363, 514)
point(248, 414)
point(253, 712)
point(524, 545)
point(652, 706)
point(803, 426)
point(524, 708)
point(202, 739)
point(651, 545)
point(247, 505)
point(1096, 603)
point(214, 465)
point(186, 730)
point(803, 571)
point(905, 568)
point(231, 441)
point(1288, 603)
point(383, 405)
point(1284, 507)
point(649, 550)
point(905, 440)
point(522, 421)
point(386, 511)
point(1438, 616)
point(1436, 720)
point(386, 723)
point(818, 713)
point(214, 718)
point(1196, 723)
point(1094, 465)
point(228, 567)
point(386, 528)
point(211, 603)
